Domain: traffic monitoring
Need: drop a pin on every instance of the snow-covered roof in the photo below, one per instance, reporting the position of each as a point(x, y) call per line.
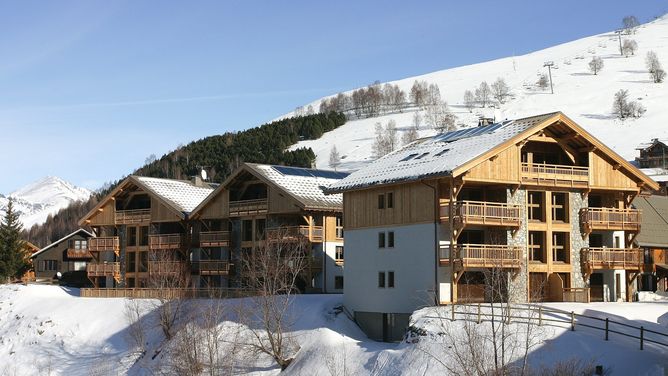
point(435, 156)
point(64, 238)
point(657, 174)
point(654, 141)
point(182, 195)
point(304, 184)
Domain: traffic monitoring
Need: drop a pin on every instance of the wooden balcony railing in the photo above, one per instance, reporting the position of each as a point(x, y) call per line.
point(74, 253)
point(482, 213)
point(610, 219)
point(211, 267)
point(295, 233)
point(484, 256)
point(555, 175)
point(106, 269)
point(576, 294)
point(613, 258)
point(130, 217)
point(101, 244)
point(165, 267)
point(248, 207)
point(165, 241)
point(165, 293)
point(214, 239)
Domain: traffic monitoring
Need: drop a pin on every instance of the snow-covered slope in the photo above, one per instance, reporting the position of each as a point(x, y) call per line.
point(46, 330)
point(46, 196)
point(581, 95)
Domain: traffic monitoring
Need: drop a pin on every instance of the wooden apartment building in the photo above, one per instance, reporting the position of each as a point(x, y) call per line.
point(538, 200)
point(157, 233)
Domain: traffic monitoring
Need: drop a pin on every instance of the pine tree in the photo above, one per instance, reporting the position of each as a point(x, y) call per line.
point(12, 260)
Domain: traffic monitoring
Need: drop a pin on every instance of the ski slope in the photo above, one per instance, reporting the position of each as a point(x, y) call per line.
point(581, 95)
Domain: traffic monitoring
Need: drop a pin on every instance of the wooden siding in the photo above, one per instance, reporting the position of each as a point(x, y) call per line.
point(330, 229)
point(413, 203)
point(603, 175)
point(161, 213)
point(217, 207)
point(105, 215)
point(505, 167)
point(280, 202)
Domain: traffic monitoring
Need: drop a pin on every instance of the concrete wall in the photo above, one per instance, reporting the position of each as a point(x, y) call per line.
point(412, 259)
point(332, 270)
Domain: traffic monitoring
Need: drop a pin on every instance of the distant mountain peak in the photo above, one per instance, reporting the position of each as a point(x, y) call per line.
point(37, 200)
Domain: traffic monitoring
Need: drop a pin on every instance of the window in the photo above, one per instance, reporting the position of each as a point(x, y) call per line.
point(132, 236)
point(560, 247)
point(260, 226)
point(381, 240)
point(338, 282)
point(143, 262)
point(390, 239)
point(535, 205)
point(131, 282)
point(131, 264)
point(143, 236)
point(409, 156)
point(80, 245)
point(49, 265)
point(618, 242)
point(246, 230)
point(536, 246)
point(390, 200)
point(339, 253)
point(80, 265)
point(381, 279)
point(381, 201)
point(559, 207)
point(339, 227)
point(390, 279)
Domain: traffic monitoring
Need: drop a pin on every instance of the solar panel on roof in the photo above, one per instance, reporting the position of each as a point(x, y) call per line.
point(306, 172)
point(469, 132)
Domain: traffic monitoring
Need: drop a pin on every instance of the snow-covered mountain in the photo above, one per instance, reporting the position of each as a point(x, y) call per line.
point(46, 196)
point(581, 95)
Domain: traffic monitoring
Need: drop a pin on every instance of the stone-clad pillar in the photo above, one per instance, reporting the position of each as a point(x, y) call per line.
point(519, 282)
point(576, 202)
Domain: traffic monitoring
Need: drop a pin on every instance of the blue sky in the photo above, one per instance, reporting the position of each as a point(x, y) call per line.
point(89, 89)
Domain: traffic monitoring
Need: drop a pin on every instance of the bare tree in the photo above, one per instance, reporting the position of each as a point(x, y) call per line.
point(417, 120)
point(595, 65)
point(409, 135)
point(629, 47)
point(309, 110)
point(433, 95)
point(469, 100)
point(439, 117)
point(334, 157)
point(385, 140)
point(543, 81)
point(272, 272)
point(653, 64)
point(418, 94)
point(134, 312)
point(483, 94)
point(625, 108)
point(168, 276)
point(299, 111)
point(500, 90)
point(393, 97)
point(630, 24)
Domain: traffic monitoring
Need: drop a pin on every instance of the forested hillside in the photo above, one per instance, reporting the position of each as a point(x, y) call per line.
point(219, 155)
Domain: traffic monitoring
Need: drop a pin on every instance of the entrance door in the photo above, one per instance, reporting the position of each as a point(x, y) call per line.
point(596, 287)
point(618, 287)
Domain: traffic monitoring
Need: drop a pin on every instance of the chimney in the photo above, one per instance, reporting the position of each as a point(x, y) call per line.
point(197, 181)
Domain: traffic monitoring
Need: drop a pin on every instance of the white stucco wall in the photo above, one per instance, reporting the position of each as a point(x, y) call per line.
point(332, 270)
point(413, 260)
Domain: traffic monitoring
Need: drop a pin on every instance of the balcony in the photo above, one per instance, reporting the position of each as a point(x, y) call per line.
point(78, 249)
point(101, 244)
point(107, 269)
point(164, 242)
point(209, 239)
point(483, 256)
point(131, 217)
point(313, 234)
point(481, 213)
point(248, 207)
point(165, 267)
point(211, 267)
point(555, 175)
point(612, 258)
point(610, 219)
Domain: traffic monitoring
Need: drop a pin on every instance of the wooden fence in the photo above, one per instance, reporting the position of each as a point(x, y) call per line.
point(165, 293)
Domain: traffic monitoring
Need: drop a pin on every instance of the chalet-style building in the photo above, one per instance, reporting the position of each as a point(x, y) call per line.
point(143, 232)
point(259, 204)
point(538, 203)
point(653, 154)
point(28, 249)
point(653, 240)
point(67, 254)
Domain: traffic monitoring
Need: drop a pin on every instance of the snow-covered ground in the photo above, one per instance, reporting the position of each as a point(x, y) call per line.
point(47, 330)
point(46, 196)
point(581, 95)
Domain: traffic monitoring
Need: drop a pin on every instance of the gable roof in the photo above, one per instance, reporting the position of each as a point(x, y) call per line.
point(654, 223)
point(181, 196)
point(453, 153)
point(304, 185)
point(81, 231)
point(655, 141)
